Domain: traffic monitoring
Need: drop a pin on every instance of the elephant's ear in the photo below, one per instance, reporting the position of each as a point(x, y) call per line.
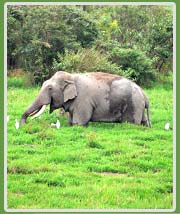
point(70, 91)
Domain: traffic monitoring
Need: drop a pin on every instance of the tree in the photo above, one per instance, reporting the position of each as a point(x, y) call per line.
point(37, 35)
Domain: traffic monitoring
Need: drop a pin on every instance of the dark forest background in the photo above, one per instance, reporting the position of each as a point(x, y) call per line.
point(133, 41)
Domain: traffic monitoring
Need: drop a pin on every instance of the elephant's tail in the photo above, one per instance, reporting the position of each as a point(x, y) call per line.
point(148, 113)
point(148, 118)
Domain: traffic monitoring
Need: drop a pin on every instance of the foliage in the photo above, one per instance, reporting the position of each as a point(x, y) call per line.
point(161, 39)
point(85, 60)
point(40, 36)
point(44, 31)
point(104, 165)
point(135, 64)
point(147, 28)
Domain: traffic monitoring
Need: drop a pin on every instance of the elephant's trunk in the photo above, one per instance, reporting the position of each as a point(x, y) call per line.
point(34, 107)
point(37, 107)
point(34, 110)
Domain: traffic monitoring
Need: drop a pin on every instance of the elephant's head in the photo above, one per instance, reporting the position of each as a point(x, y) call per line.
point(55, 91)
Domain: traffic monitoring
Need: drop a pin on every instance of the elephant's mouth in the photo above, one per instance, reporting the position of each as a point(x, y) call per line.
point(37, 112)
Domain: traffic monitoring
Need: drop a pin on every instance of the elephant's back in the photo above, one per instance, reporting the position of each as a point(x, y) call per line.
point(105, 77)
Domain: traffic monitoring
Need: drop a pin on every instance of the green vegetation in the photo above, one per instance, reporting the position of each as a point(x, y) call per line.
point(106, 165)
point(85, 60)
point(135, 41)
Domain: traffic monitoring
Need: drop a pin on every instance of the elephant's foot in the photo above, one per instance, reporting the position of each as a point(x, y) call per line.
point(145, 123)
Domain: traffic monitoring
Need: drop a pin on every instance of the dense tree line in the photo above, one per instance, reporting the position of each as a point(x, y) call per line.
point(135, 41)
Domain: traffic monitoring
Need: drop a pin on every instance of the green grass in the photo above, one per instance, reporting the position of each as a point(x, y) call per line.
point(105, 165)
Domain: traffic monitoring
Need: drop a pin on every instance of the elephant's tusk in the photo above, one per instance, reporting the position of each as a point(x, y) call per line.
point(39, 112)
point(33, 113)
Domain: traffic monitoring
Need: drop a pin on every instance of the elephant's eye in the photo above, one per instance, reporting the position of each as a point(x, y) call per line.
point(50, 88)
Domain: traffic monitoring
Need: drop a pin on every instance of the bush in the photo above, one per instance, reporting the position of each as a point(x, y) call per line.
point(39, 76)
point(85, 60)
point(134, 63)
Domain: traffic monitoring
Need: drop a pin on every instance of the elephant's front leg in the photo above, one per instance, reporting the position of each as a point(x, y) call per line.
point(82, 116)
point(70, 122)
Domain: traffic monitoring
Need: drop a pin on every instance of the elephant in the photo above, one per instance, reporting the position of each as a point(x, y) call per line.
point(95, 97)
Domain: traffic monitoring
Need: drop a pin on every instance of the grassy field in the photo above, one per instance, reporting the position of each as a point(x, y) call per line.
point(106, 165)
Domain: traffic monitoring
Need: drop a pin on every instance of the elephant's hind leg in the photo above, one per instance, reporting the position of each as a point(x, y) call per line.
point(137, 116)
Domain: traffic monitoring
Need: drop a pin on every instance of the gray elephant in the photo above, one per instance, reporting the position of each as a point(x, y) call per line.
point(98, 96)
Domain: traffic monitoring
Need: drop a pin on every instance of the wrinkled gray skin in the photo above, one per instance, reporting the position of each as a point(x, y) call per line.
point(92, 97)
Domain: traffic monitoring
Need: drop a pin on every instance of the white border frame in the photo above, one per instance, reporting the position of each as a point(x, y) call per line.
point(174, 105)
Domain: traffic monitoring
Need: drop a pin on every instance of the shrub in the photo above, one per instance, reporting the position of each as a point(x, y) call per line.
point(134, 63)
point(39, 76)
point(85, 60)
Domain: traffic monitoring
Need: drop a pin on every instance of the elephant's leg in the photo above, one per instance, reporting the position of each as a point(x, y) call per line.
point(144, 121)
point(70, 119)
point(137, 116)
point(82, 116)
